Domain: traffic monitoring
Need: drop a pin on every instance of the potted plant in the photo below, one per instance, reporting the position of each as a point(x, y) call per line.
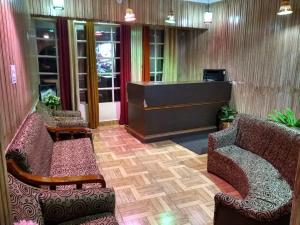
point(287, 117)
point(52, 101)
point(226, 115)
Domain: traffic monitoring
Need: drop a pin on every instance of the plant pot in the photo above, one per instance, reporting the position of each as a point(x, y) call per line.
point(224, 125)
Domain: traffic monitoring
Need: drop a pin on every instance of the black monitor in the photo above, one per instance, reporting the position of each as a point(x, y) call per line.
point(214, 74)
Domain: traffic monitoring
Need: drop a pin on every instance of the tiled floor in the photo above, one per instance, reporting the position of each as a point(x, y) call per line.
point(158, 184)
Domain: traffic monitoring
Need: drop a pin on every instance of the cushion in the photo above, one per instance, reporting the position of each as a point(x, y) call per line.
point(24, 202)
point(32, 147)
point(268, 190)
point(73, 158)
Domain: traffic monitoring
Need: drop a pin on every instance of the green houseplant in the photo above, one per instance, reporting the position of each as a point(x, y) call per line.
point(52, 101)
point(226, 115)
point(287, 117)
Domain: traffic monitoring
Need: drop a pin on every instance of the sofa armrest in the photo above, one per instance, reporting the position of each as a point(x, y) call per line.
point(222, 138)
point(52, 182)
point(71, 123)
point(229, 208)
point(66, 113)
point(61, 206)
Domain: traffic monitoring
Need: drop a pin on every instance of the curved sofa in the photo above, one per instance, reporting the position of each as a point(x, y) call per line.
point(259, 159)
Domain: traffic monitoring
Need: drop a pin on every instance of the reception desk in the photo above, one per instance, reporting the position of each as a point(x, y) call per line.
point(158, 111)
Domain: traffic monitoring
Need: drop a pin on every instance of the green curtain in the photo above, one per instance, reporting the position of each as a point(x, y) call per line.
point(73, 66)
point(92, 78)
point(136, 53)
point(170, 69)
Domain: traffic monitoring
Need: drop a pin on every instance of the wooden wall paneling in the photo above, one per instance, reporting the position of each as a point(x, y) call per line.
point(153, 12)
point(16, 48)
point(5, 217)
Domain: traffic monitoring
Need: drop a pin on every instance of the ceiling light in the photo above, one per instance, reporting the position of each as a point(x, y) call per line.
point(171, 18)
point(58, 4)
point(130, 16)
point(208, 15)
point(285, 8)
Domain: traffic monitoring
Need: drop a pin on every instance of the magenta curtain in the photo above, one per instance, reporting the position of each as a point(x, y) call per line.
point(64, 63)
point(125, 51)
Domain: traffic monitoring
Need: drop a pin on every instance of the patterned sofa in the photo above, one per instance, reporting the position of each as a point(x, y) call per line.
point(63, 166)
point(93, 206)
point(60, 118)
point(258, 158)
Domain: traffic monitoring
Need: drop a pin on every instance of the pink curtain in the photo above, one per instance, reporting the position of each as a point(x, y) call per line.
point(64, 63)
point(125, 70)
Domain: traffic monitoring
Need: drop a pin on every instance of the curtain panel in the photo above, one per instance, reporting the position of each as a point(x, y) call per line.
point(146, 54)
point(136, 53)
point(64, 63)
point(92, 78)
point(170, 69)
point(73, 66)
point(125, 45)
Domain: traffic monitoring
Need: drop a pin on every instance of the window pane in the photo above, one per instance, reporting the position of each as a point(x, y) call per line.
point(46, 47)
point(81, 49)
point(152, 65)
point(45, 78)
point(117, 80)
point(159, 77)
point(82, 66)
point(103, 33)
point(117, 66)
point(159, 36)
point(104, 81)
point(104, 50)
point(104, 66)
point(152, 50)
point(117, 95)
point(47, 65)
point(152, 77)
point(45, 29)
point(159, 51)
point(116, 33)
point(152, 36)
point(117, 50)
point(83, 96)
point(105, 95)
point(159, 65)
point(82, 81)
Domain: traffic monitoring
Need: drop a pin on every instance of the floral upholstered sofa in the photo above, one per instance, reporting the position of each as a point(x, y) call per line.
point(78, 192)
point(259, 158)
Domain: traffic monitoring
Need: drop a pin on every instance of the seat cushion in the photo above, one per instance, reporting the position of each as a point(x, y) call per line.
point(99, 219)
point(267, 189)
point(73, 158)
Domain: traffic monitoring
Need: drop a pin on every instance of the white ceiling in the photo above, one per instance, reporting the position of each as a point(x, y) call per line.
point(203, 1)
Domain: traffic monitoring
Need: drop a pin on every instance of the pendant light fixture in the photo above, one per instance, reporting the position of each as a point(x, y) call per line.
point(208, 15)
point(171, 17)
point(130, 16)
point(285, 8)
point(58, 4)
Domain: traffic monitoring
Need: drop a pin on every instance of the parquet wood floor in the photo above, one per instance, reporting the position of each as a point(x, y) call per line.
point(161, 183)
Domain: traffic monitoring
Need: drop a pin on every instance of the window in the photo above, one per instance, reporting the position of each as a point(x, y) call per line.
point(107, 59)
point(156, 54)
point(108, 62)
point(47, 55)
point(81, 60)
